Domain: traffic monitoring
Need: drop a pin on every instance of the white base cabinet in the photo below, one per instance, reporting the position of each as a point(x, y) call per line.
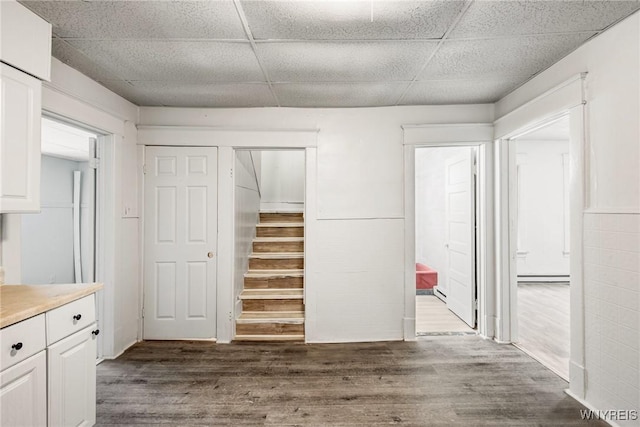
point(23, 397)
point(72, 379)
point(49, 379)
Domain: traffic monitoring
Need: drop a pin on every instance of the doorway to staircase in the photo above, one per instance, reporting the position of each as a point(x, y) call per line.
point(269, 245)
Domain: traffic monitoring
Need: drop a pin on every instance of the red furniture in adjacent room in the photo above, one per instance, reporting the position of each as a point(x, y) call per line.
point(426, 277)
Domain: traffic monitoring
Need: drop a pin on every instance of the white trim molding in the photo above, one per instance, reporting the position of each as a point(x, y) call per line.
point(447, 134)
point(478, 135)
point(559, 99)
point(208, 136)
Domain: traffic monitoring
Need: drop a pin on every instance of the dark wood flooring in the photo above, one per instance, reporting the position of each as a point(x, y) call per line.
point(436, 381)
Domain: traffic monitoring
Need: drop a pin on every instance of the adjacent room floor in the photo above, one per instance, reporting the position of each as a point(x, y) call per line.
point(543, 324)
point(433, 317)
point(435, 381)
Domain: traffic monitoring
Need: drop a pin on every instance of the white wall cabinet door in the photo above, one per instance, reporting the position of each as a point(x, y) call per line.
point(72, 379)
point(20, 111)
point(23, 393)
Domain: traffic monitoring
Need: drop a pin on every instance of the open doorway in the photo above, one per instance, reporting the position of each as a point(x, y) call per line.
point(58, 244)
point(543, 244)
point(269, 194)
point(445, 238)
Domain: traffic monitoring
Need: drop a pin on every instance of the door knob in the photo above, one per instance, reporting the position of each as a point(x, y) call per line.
point(210, 254)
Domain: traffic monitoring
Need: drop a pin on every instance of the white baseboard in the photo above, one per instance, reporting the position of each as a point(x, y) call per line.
point(589, 406)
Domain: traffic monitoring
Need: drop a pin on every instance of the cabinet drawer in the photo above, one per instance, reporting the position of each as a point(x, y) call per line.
point(22, 340)
point(71, 317)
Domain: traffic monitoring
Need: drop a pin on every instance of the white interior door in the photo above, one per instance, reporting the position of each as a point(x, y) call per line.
point(180, 231)
point(460, 233)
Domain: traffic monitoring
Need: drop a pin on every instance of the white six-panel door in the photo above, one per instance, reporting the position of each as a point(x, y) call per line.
point(180, 210)
point(460, 233)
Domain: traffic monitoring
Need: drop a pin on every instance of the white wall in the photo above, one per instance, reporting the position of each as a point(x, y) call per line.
point(430, 209)
point(282, 183)
point(611, 234)
point(73, 96)
point(543, 239)
point(247, 209)
point(355, 235)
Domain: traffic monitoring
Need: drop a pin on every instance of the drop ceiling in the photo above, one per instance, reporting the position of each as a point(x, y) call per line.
point(319, 53)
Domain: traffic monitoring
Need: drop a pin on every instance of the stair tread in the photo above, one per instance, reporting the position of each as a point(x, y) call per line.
point(279, 224)
point(283, 337)
point(272, 293)
point(276, 255)
point(284, 317)
point(274, 273)
point(277, 239)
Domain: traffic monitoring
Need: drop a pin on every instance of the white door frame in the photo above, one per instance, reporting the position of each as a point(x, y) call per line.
point(566, 99)
point(227, 140)
point(478, 135)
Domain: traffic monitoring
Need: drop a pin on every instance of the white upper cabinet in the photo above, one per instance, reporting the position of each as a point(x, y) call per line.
point(20, 116)
point(25, 40)
point(25, 53)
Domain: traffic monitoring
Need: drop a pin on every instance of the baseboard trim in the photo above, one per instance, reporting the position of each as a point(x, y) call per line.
point(589, 406)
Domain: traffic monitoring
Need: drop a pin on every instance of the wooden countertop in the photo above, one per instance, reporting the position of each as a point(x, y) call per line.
point(19, 302)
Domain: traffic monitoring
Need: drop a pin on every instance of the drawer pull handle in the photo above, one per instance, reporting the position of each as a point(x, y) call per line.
point(17, 346)
point(77, 317)
point(96, 332)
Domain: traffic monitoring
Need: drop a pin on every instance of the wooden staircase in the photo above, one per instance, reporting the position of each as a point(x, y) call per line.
point(273, 295)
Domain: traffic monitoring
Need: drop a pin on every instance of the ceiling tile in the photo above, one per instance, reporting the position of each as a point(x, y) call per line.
point(343, 62)
point(350, 20)
point(173, 94)
point(459, 59)
point(338, 94)
point(178, 61)
point(137, 95)
point(437, 92)
point(498, 18)
point(75, 59)
point(141, 19)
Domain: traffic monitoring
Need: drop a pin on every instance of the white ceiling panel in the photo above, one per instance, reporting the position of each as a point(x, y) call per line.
point(350, 20)
point(141, 19)
point(345, 61)
point(438, 92)
point(74, 58)
point(338, 94)
point(137, 95)
point(499, 18)
point(179, 94)
point(515, 56)
point(178, 61)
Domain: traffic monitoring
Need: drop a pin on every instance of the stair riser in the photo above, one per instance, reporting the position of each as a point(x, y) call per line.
point(273, 282)
point(280, 232)
point(269, 329)
point(276, 264)
point(281, 217)
point(278, 246)
point(273, 305)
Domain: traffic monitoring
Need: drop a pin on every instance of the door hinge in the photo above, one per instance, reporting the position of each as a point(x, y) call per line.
point(475, 304)
point(94, 163)
point(143, 312)
point(144, 169)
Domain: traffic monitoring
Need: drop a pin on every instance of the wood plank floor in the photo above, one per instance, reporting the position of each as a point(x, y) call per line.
point(433, 316)
point(543, 324)
point(435, 381)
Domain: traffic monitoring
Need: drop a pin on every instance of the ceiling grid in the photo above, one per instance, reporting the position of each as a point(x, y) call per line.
point(312, 53)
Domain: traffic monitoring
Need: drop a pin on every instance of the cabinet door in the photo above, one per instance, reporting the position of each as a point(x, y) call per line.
point(20, 115)
point(72, 380)
point(23, 393)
